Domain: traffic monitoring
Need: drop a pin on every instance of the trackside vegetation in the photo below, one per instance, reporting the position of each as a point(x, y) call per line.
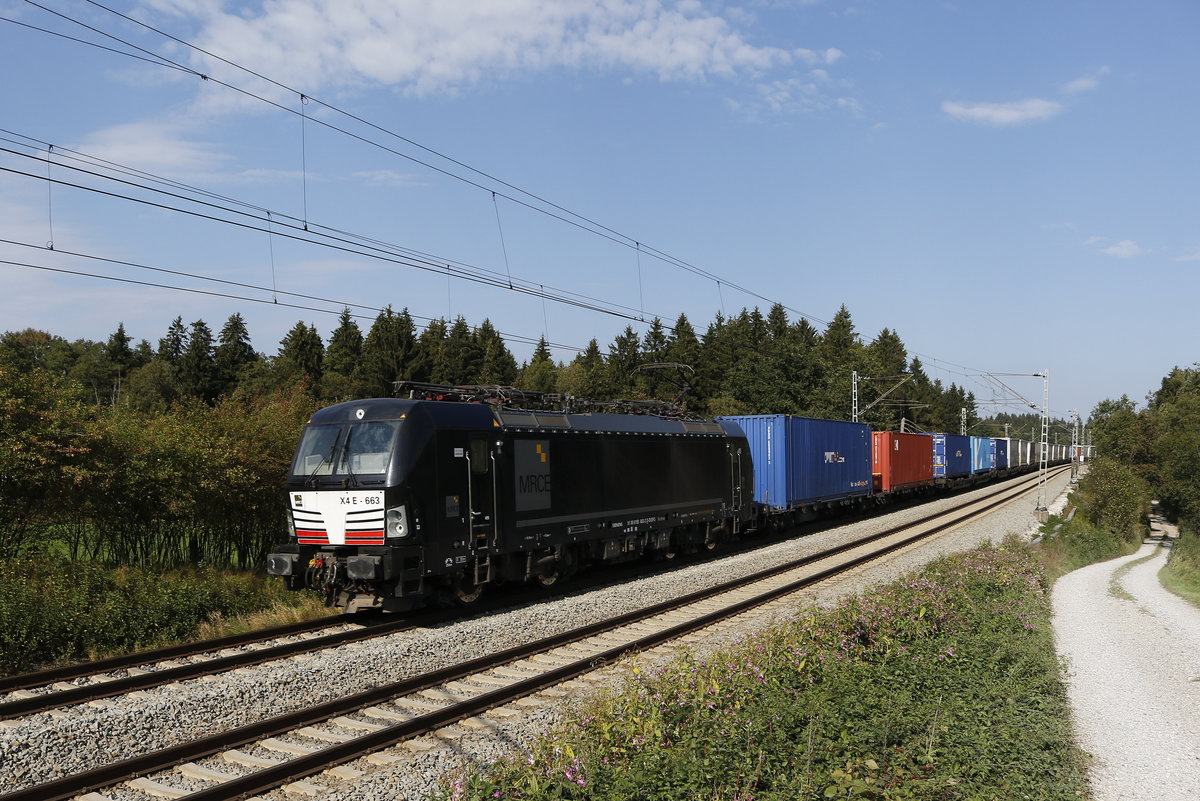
point(57, 610)
point(1161, 444)
point(1110, 505)
point(943, 685)
point(1182, 573)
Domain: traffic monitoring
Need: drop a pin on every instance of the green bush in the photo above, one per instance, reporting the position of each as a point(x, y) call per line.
point(1071, 545)
point(1111, 521)
point(57, 610)
point(1114, 499)
point(943, 685)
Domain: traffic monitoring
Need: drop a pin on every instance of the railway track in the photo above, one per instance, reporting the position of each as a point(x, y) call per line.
point(87, 682)
point(52, 689)
point(285, 749)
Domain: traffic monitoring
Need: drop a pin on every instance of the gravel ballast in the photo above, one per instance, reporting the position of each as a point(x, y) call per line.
point(42, 747)
point(1133, 657)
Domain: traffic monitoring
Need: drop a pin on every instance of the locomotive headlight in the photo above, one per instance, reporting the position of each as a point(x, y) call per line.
point(397, 522)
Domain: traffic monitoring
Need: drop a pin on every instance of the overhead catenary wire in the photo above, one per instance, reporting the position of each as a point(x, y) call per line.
point(228, 295)
point(259, 213)
point(293, 234)
point(547, 207)
point(580, 221)
point(540, 292)
point(335, 243)
point(571, 217)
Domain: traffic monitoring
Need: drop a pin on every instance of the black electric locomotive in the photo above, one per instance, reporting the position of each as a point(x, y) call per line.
point(393, 502)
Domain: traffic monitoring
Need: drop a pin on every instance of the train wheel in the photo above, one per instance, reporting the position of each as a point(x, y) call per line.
point(465, 591)
point(548, 580)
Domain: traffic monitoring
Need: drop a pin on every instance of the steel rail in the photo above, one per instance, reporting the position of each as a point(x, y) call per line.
point(40, 678)
point(90, 692)
point(70, 786)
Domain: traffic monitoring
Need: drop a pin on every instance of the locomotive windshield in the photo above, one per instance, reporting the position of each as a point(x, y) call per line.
point(346, 449)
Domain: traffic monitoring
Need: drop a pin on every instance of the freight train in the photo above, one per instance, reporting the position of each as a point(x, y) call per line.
point(394, 503)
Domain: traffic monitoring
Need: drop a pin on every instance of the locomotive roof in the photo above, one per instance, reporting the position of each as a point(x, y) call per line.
point(450, 414)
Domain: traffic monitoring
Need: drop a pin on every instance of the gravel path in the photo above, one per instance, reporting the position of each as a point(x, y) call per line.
point(44, 746)
point(1133, 652)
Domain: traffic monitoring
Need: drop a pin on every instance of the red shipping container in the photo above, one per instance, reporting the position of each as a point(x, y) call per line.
point(901, 461)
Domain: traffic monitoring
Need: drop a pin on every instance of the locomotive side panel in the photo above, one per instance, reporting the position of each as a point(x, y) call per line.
point(573, 482)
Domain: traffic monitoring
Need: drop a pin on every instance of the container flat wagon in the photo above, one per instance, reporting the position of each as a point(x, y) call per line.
point(901, 461)
point(803, 461)
point(951, 456)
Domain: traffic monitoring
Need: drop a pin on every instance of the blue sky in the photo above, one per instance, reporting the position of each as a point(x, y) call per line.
point(1010, 186)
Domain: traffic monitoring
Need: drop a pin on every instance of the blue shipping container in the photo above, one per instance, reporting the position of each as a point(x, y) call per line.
point(1000, 450)
point(951, 455)
point(981, 454)
point(803, 460)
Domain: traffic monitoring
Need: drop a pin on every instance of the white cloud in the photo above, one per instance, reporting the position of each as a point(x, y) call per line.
point(153, 146)
point(1022, 111)
point(1085, 83)
point(803, 93)
point(1003, 114)
point(1125, 249)
point(388, 178)
point(829, 56)
point(1194, 255)
point(428, 46)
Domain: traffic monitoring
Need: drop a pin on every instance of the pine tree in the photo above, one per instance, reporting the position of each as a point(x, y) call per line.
point(650, 383)
point(683, 347)
point(121, 360)
point(233, 354)
point(840, 352)
point(142, 354)
point(343, 360)
point(171, 347)
point(388, 353)
point(540, 374)
point(118, 351)
point(197, 367)
point(624, 356)
point(461, 354)
point(301, 356)
point(497, 365)
point(885, 362)
point(778, 328)
point(429, 362)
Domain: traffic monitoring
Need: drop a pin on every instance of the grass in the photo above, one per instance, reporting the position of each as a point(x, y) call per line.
point(294, 608)
point(943, 685)
point(56, 611)
point(1181, 575)
point(1070, 545)
point(1114, 583)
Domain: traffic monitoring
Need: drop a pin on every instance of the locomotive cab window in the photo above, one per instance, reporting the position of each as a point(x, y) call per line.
point(360, 448)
